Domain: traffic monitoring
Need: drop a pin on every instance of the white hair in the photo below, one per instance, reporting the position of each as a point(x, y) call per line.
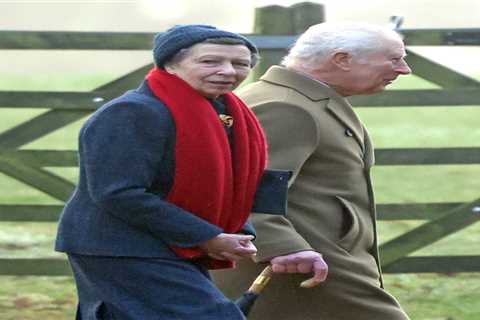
point(324, 39)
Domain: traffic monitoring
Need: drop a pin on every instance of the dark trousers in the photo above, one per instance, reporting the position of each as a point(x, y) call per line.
point(124, 288)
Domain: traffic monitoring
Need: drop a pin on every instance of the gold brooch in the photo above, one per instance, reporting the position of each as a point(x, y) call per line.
point(226, 120)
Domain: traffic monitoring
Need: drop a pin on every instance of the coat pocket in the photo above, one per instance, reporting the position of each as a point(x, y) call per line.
point(350, 226)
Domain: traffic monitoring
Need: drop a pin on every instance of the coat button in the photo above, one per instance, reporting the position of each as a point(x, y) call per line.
point(349, 133)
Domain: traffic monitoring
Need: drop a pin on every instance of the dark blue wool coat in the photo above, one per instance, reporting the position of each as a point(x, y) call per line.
point(147, 289)
point(126, 152)
point(117, 228)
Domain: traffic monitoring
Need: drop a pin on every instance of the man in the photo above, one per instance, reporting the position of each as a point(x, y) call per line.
point(313, 131)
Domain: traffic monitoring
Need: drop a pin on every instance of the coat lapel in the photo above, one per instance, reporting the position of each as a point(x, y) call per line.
point(344, 113)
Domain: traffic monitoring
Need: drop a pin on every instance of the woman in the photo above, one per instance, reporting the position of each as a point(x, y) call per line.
point(168, 174)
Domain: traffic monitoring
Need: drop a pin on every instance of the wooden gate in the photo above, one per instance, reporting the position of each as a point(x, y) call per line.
point(28, 166)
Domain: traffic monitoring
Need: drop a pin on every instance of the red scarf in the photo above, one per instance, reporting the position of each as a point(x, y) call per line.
point(211, 181)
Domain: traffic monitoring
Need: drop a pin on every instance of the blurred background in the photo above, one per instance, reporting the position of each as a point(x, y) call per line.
point(238, 16)
point(157, 15)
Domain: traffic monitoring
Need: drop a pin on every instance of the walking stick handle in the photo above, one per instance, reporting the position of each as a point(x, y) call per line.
point(262, 280)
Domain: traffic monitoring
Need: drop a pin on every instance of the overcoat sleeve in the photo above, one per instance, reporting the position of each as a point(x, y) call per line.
point(292, 137)
point(122, 149)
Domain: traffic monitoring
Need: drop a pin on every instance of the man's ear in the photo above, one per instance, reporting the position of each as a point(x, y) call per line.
point(342, 60)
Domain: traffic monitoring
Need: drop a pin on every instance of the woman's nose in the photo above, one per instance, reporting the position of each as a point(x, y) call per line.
point(227, 69)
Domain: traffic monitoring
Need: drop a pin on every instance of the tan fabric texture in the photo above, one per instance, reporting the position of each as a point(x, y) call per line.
point(314, 132)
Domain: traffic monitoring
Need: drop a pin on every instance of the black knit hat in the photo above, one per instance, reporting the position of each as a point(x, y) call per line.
point(167, 44)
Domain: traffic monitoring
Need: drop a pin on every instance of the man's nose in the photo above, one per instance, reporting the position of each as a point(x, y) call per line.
point(403, 68)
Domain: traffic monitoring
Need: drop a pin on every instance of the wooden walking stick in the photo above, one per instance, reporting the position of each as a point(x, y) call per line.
point(246, 301)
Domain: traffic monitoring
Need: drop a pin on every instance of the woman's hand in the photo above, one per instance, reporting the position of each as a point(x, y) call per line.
point(227, 246)
point(302, 262)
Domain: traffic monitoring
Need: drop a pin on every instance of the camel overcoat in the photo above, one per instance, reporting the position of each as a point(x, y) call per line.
point(314, 132)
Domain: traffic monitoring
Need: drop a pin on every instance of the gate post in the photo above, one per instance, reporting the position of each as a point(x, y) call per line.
point(279, 20)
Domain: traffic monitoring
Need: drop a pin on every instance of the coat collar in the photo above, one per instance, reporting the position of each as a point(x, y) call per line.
point(312, 89)
point(315, 90)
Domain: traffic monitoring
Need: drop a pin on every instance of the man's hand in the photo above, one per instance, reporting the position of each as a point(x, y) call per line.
point(302, 262)
point(227, 246)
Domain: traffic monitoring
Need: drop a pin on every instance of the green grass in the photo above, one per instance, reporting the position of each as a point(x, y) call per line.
point(430, 127)
point(54, 81)
point(436, 296)
point(424, 296)
point(33, 298)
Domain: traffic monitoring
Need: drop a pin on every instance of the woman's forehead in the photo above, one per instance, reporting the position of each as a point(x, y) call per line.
point(229, 50)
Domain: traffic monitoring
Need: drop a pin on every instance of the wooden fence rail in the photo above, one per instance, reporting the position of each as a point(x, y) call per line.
point(48, 40)
point(27, 166)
